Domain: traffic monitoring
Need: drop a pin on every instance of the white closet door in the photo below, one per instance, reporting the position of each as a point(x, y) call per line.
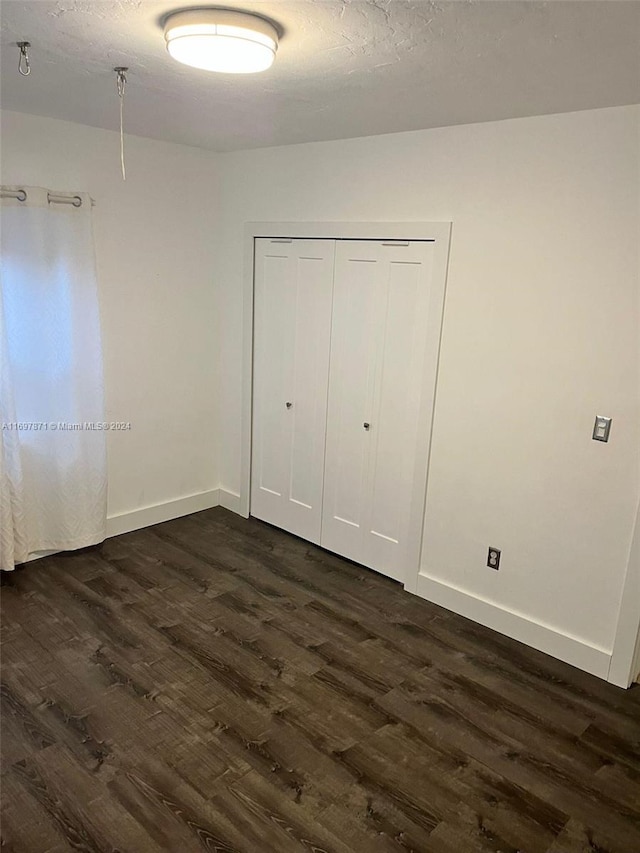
point(358, 293)
point(293, 294)
point(381, 295)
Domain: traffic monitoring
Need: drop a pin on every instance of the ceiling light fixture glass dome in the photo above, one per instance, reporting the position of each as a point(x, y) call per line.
point(221, 40)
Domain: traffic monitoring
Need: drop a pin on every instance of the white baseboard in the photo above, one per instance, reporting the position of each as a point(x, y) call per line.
point(126, 522)
point(229, 500)
point(517, 626)
point(146, 516)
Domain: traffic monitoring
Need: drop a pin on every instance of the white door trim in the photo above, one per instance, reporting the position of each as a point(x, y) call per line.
point(438, 232)
point(623, 668)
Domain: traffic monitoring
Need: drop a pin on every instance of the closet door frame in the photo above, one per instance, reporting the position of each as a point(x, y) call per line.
point(438, 233)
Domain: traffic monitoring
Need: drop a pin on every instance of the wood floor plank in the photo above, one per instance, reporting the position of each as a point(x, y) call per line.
point(433, 784)
point(26, 823)
point(547, 780)
point(280, 823)
point(213, 683)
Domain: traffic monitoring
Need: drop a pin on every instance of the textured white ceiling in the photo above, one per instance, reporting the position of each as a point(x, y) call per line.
point(344, 68)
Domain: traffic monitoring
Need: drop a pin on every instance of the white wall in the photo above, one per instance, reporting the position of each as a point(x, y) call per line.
point(540, 334)
point(155, 262)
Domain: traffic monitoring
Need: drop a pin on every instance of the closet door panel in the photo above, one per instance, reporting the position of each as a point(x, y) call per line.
point(396, 405)
point(293, 288)
point(351, 379)
point(275, 317)
point(311, 372)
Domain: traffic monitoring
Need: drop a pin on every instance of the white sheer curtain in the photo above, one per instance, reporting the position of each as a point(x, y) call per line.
point(53, 478)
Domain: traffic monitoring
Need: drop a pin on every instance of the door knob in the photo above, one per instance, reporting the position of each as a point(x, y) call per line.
point(366, 425)
point(288, 404)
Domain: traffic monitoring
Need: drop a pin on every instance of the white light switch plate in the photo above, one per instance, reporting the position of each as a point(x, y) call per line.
point(601, 428)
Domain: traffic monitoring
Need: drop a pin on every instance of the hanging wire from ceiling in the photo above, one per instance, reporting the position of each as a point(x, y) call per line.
point(24, 66)
point(121, 85)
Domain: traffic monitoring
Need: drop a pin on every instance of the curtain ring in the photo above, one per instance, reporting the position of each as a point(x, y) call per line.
point(24, 67)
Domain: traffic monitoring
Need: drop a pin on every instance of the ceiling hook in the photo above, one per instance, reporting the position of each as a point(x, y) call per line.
point(23, 62)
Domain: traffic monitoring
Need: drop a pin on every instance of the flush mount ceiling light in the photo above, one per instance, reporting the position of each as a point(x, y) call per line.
point(221, 40)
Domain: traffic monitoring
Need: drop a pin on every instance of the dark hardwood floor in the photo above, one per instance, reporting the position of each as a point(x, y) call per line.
point(215, 684)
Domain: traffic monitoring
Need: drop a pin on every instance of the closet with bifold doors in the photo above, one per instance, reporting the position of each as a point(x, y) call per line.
point(340, 401)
